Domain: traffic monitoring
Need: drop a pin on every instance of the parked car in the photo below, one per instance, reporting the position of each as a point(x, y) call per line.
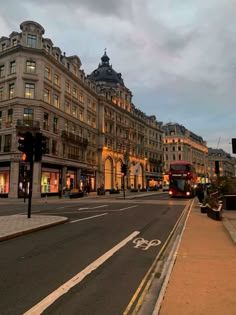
point(165, 188)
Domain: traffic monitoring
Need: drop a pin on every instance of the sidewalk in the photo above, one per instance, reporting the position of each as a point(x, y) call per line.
point(203, 279)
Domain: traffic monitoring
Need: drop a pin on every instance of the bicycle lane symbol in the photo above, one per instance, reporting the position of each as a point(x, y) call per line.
point(145, 244)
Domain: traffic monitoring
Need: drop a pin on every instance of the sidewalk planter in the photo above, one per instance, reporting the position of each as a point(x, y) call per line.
point(101, 191)
point(215, 214)
point(78, 194)
point(203, 208)
point(114, 191)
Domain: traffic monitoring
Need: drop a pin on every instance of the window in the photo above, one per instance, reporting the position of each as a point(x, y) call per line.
point(89, 120)
point(55, 124)
point(45, 121)
point(56, 79)
point(2, 71)
point(67, 87)
point(55, 100)
point(47, 73)
point(81, 98)
point(46, 96)
point(7, 143)
point(48, 49)
point(67, 107)
point(94, 122)
point(75, 92)
point(74, 110)
point(29, 90)
point(81, 115)
point(30, 66)
point(9, 115)
point(28, 115)
point(4, 46)
point(1, 93)
point(31, 40)
point(14, 42)
point(54, 147)
point(12, 67)
point(11, 90)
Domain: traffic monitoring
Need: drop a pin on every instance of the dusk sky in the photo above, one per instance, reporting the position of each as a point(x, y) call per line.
point(178, 57)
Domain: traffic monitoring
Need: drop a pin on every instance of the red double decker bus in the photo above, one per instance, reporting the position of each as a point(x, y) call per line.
point(182, 178)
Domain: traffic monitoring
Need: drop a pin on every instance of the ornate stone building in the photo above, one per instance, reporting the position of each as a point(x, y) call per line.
point(90, 123)
point(182, 144)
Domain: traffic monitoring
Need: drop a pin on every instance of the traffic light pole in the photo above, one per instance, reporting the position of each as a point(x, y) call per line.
point(123, 185)
point(30, 187)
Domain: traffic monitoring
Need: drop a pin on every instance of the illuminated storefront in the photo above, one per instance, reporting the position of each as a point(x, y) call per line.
point(50, 180)
point(4, 179)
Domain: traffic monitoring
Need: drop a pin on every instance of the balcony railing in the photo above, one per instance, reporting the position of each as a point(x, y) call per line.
point(27, 124)
point(71, 137)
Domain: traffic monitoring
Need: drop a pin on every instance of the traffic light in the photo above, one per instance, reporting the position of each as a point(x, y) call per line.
point(217, 167)
point(124, 169)
point(234, 145)
point(25, 142)
point(40, 146)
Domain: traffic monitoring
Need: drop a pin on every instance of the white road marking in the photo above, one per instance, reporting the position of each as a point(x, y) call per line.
point(126, 208)
point(93, 207)
point(63, 289)
point(87, 218)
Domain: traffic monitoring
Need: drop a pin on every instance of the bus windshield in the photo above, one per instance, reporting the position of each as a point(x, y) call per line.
point(182, 185)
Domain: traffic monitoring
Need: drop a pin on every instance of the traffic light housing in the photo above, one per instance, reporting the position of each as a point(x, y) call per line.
point(234, 145)
point(124, 169)
point(40, 146)
point(217, 167)
point(25, 142)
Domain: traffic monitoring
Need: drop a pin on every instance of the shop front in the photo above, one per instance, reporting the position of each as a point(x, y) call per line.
point(4, 179)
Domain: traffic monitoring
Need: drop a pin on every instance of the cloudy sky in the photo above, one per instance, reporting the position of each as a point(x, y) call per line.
point(178, 57)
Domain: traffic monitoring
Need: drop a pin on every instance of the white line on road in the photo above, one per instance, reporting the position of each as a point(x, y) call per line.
point(87, 218)
point(93, 207)
point(51, 298)
point(126, 208)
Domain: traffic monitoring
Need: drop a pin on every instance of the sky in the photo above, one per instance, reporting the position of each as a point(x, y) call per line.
point(178, 57)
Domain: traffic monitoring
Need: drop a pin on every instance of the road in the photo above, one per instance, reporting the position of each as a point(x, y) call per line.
point(91, 265)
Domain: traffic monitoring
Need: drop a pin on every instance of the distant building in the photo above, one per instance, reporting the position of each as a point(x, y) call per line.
point(182, 144)
point(226, 163)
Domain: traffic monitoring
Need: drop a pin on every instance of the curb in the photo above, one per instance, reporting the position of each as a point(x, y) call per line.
point(230, 229)
point(32, 229)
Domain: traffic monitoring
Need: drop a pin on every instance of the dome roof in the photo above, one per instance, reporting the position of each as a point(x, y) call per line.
point(105, 72)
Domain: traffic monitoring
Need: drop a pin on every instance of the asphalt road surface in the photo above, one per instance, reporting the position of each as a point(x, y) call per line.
point(93, 264)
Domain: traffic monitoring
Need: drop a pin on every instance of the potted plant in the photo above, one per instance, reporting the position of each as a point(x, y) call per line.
point(204, 204)
point(214, 207)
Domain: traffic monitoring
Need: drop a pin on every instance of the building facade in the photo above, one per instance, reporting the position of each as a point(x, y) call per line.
point(226, 164)
point(182, 144)
point(90, 122)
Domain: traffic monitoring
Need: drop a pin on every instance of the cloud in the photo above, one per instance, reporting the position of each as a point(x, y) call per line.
point(176, 56)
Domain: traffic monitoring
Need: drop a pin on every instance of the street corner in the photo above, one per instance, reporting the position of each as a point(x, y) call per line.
point(17, 225)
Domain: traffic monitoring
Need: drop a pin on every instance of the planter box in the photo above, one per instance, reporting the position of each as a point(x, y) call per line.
point(215, 214)
point(114, 191)
point(203, 209)
point(78, 194)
